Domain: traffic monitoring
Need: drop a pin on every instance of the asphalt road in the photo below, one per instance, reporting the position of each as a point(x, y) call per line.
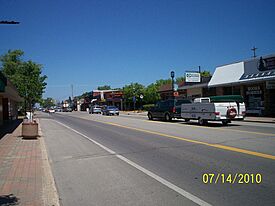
point(134, 161)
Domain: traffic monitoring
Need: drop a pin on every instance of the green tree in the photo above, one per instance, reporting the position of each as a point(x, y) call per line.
point(161, 82)
point(133, 90)
point(180, 79)
point(151, 94)
point(26, 76)
point(105, 87)
point(48, 102)
point(205, 74)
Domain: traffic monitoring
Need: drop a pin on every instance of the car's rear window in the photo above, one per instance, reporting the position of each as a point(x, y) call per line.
point(111, 107)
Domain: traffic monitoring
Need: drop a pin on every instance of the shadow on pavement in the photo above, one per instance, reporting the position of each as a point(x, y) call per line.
point(9, 127)
point(8, 200)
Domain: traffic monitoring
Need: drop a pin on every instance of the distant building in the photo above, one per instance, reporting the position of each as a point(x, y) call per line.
point(193, 90)
point(166, 91)
point(108, 97)
point(9, 99)
point(189, 90)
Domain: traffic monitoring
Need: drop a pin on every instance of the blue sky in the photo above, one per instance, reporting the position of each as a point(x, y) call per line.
point(116, 42)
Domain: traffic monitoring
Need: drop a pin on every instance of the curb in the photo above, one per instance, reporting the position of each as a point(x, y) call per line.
point(259, 121)
point(50, 195)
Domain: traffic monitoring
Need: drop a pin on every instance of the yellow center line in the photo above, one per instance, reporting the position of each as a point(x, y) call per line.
point(224, 147)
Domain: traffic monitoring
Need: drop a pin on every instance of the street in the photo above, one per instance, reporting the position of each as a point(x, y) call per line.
point(129, 160)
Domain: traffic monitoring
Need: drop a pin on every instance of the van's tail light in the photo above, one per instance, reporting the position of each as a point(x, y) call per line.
point(174, 109)
point(243, 113)
point(217, 113)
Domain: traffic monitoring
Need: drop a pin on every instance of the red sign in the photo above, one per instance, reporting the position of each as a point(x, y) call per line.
point(176, 94)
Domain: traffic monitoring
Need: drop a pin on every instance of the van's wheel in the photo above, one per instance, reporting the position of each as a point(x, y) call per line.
point(187, 120)
point(225, 122)
point(202, 121)
point(150, 116)
point(167, 117)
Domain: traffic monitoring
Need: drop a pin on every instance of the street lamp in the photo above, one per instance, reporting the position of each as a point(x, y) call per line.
point(172, 76)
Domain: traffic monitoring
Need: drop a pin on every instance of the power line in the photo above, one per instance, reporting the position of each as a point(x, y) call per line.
point(9, 22)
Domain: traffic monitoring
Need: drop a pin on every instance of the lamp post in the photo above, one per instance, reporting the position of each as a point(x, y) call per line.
point(172, 76)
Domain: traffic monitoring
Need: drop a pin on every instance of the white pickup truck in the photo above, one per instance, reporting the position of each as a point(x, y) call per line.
point(216, 108)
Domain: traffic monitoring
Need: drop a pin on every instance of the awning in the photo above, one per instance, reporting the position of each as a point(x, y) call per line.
point(253, 70)
point(226, 75)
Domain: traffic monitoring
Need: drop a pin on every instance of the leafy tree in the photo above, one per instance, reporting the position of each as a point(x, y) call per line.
point(105, 87)
point(133, 90)
point(26, 76)
point(161, 82)
point(47, 103)
point(205, 74)
point(151, 94)
point(180, 79)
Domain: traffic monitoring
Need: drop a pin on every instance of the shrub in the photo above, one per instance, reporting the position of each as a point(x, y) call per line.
point(147, 106)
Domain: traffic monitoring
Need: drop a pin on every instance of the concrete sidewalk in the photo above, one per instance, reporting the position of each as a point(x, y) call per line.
point(260, 119)
point(25, 174)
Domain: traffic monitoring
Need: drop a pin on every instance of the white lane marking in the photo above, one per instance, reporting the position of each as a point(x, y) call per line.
point(177, 189)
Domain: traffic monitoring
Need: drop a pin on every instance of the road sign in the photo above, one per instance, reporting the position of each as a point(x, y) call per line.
point(134, 99)
point(141, 96)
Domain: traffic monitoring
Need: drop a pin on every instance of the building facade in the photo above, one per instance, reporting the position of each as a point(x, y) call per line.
point(254, 79)
point(108, 97)
point(9, 99)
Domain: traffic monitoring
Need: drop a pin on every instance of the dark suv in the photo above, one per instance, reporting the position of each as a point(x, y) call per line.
point(167, 109)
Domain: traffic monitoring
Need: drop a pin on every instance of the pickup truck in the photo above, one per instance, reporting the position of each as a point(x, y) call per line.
point(167, 109)
point(217, 108)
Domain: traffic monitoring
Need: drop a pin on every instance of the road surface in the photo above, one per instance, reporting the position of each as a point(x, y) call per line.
point(125, 160)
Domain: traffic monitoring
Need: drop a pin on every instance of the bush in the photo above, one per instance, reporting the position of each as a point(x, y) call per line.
point(147, 106)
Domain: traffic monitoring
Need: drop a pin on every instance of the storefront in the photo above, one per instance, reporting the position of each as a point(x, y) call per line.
point(254, 79)
point(9, 99)
point(108, 97)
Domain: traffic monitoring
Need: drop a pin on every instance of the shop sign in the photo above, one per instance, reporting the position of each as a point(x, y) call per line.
point(253, 90)
point(270, 84)
point(192, 77)
point(266, 64)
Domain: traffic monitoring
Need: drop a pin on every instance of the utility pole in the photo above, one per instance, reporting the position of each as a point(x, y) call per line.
point(200, 72)
point(254, 51)
point(72, 87)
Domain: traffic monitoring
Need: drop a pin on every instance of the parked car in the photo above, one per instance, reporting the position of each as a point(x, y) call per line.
point(51, 110)
point(67, 109)
point(167, 109)
point(95, 109)
point(109, 110)
point(58, 109)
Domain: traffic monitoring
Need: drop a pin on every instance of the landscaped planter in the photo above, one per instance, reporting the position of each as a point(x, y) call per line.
point(30, 130)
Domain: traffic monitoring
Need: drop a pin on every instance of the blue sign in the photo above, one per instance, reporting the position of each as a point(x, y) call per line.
point(134, 99)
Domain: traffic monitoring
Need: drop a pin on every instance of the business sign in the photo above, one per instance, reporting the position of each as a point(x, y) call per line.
point(254, 90)
point(270, 84)
point(192, 77)
point(266, 64)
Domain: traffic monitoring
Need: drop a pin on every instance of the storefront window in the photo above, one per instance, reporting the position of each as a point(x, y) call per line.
point(255, 99)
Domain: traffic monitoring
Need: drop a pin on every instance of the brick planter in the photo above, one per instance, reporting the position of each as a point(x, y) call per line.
point(30, 130)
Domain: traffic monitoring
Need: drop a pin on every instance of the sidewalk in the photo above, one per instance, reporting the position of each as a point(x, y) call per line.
point(260, 119)
point(25, 171)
